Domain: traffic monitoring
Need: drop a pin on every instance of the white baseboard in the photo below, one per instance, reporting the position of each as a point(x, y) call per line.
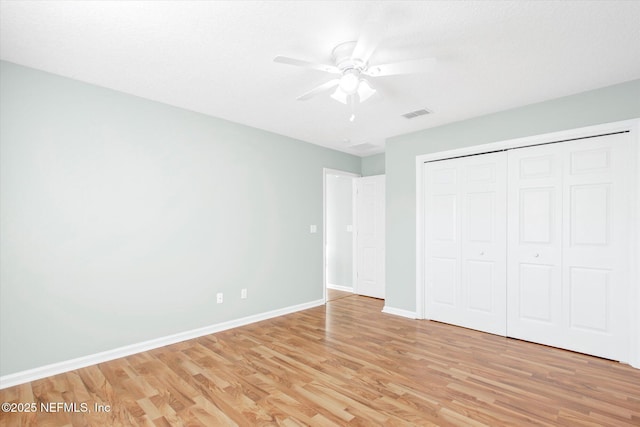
point(84, 361)
point(340, 287)
point(399, 312)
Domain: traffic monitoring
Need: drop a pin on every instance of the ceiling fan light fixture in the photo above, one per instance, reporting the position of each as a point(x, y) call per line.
point(339, 95)
point(349, 83)
point(365, 90)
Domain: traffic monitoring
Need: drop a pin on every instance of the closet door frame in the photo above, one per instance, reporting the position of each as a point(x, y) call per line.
point(631, 126)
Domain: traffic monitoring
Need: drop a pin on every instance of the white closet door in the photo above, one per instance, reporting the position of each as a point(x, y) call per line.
point(595, 275)
point(568, 245)
point(442, 241)
point(534, 274)
point(465, 225)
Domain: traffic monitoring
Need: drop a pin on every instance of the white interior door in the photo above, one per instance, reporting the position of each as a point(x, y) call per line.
point(370, 236)
point(465, 236)
point(568, 267)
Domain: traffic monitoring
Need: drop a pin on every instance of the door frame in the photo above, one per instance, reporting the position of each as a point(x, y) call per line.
point(325, 173)
point(631, 126)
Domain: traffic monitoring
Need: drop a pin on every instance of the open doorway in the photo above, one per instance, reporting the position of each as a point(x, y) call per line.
point(338, 230)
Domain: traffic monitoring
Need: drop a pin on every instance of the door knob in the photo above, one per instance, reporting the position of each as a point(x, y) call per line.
point(536, 255)
point(481, 253)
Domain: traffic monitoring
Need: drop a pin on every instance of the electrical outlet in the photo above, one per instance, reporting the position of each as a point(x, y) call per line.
point(243, 293)
point(219, 297)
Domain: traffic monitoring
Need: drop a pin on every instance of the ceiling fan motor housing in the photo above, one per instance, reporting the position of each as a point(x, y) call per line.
point(343, 59)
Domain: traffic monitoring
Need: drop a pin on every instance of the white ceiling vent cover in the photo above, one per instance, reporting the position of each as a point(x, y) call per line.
point(365, 146)
point(416, 113)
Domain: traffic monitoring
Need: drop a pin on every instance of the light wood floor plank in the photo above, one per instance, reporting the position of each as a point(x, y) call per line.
point(345, 363)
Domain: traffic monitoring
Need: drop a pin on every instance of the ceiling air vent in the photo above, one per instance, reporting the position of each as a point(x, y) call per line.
point(416, 113)
point(365, 146)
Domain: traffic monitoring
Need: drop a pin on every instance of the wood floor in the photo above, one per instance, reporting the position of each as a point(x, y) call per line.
point(345, 363)
point(334, 294)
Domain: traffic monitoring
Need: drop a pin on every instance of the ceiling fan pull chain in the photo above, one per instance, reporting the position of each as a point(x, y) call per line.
point(352, 98)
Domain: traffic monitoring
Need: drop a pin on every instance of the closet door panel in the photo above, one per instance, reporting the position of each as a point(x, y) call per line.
point(465, 235)
point(535, 294)
point(534, 244)
point(442, 237)
point(483, 251)
point(596, 209)
point(568, 265)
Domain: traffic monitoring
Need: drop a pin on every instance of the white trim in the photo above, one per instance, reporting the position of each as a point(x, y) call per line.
point(340, 287)
point(420, 309)
point(399, 312)
point(633, 126)
point(354, 234)
point(116, 353)
point(634, 354)
point(626, 125)
point(325, 173)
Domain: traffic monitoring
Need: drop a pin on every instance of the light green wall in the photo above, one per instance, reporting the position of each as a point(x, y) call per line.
point(121, 218)
point(373, 165)
point(609, 104)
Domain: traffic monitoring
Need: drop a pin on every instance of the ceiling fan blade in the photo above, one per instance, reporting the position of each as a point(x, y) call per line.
point(318, 89)
point(370, 37)
point(306, 64)
point(405, 67)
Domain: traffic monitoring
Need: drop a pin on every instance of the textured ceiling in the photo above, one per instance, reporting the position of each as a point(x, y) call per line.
point(217, 57)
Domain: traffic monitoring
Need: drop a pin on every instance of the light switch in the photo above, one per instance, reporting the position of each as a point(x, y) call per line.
point(313, 228)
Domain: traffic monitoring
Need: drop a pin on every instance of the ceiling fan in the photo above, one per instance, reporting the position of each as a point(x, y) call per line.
point(351, 64)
